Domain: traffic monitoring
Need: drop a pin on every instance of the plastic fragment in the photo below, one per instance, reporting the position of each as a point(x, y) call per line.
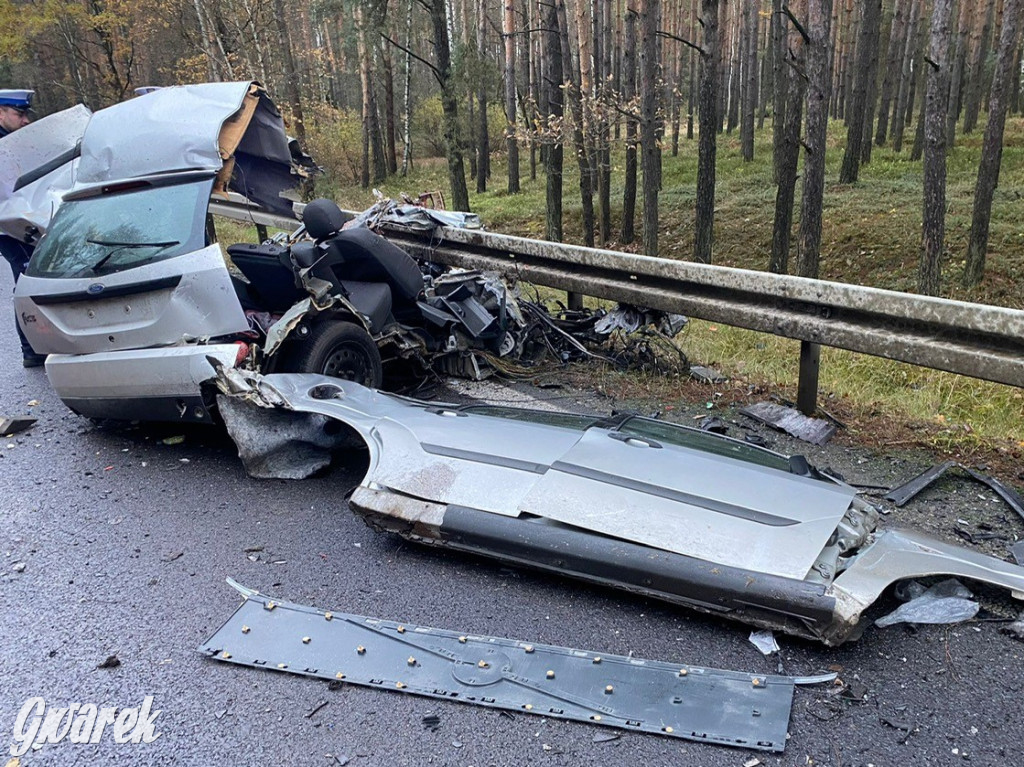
point(946, 602)
point(764, 641)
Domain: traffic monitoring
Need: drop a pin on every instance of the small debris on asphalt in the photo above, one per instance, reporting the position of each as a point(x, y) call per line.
point(456, 744)
point(1015, 629)
point(112, 661)
point(316, 708)
point(714, 424)
point(1017, 550)
point(764, 640)
point(817, 431)
point(606, 737)
point(173, 555)
point(339, 759)
point(18, 567)
point(855, 690)
point(432, 722)
point(754, 762)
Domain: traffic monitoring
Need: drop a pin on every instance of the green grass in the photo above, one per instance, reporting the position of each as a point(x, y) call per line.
point(871, 236)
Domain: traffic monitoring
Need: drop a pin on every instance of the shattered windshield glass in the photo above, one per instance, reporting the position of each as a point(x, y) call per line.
point(704, 441)
point(110, 233)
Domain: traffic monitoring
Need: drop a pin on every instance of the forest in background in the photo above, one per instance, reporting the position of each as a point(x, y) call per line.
point(591, 93)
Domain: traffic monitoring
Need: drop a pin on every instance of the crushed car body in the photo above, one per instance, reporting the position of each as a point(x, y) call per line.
point(130, 296)
point(645, 505)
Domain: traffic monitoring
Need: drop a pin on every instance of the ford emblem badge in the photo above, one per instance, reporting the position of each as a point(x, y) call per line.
point(94, 289)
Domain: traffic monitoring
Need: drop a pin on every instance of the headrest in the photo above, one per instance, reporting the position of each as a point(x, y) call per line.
point(323, 218)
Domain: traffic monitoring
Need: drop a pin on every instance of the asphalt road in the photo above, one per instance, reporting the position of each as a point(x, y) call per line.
point(126, 542)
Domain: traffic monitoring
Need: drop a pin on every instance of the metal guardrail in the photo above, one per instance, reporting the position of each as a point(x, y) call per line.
point(976, 340)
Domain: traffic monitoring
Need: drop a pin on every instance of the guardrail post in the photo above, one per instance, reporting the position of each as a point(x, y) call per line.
point(807, 388)
point(575, 301)
point(261, 232)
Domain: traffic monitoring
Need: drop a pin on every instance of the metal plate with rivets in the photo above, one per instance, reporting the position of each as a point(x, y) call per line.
point(725, 707)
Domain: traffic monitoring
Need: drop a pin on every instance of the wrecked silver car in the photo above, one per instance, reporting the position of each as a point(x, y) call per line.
point(130, 296)
point(641, 504)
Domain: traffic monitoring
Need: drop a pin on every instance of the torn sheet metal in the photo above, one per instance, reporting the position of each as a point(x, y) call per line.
point(946, 602)
point(174, 129)
point(37, 166)
point(1008, 494)
point(678, 700)
point(13, 425)
point(901, 495)
point(738, 531)
point(817, 431)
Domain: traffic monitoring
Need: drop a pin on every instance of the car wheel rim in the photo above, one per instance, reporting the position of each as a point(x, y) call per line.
point(348, 363)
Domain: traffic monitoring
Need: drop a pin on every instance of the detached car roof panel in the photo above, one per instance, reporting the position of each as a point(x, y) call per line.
point(172, 129)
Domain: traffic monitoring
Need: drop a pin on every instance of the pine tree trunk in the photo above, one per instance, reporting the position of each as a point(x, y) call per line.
point(780, 85)
point(899, 115)
point(449, 105)
point(992, 149)
point(407, 96)
point(650, 127)
point(972, 104)
point(788, 151)
point(819, 18)
point(291, 75)
point(483, 131)
point(957, 72)
point(628, 234)
point(750, 31)
point(573, 76)
point(867, 48)
point(933, 230)
point(511, 142)
point(894, 58)
point(554, 107)
point(707, 111)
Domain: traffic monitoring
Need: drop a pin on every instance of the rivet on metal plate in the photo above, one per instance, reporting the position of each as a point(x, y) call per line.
point(270, 605)
point(411, 661)
point(361, 650)
point(305, 640)
point(462, 639)
point(401, 629)
point(528, 706)
point(246, 629)
point(756, 682)
point(667, 729)
point(282, 665)
point(400, 685)
point(483, 664)
point(225, 654)
point(328, 616)
point(596, 717)
point(339, 675)
point(550, 675)
point(608, 690)
point(597, 659)
point(528, 648)
point(683, 672)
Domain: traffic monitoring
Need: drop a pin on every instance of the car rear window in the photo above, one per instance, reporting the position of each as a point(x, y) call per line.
point(109, 233)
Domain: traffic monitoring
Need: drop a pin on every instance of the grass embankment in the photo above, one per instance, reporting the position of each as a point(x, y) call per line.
point(871, 237)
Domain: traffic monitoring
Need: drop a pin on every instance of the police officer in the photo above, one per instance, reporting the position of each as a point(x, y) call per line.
point(15, 112)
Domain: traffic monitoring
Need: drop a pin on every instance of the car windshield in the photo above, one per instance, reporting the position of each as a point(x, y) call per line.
point(110, 233)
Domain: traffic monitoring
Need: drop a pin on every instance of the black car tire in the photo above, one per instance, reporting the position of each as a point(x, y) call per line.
point(340, 349)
